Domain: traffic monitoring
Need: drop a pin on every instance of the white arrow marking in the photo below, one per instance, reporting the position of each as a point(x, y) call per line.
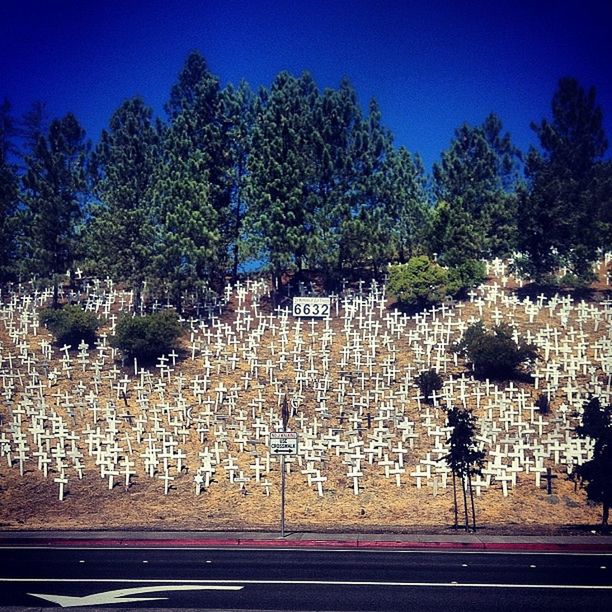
point(119, 596)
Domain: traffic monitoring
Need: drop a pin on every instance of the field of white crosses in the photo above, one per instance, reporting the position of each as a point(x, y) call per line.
point(89, 440)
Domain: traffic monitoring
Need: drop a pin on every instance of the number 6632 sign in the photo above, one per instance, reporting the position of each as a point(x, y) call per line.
point(311, 307)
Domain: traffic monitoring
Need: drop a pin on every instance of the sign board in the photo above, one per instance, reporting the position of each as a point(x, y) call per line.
point(311, 307)
point(283, 443)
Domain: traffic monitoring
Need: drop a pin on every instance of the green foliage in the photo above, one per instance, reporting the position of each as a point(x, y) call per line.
point(597, 472)
point(9, 194)
point(119, 239)
point(149, 336)
point(465, 459)
point(54, 188)
point(420, 281)
point(495, 354)
point(70, 325)
point(428, 382)
point(475, 180)
point(191, 194)
point(469, 273)
point(543, 404)
point(562, 213)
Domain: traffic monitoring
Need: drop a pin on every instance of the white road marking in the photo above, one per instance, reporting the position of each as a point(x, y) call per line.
point(122, 596)
point(316, 582)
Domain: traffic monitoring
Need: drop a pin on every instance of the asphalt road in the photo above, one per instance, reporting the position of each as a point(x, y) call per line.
point(264, 579)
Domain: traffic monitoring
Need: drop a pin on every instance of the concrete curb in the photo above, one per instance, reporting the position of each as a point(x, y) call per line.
point(278, 543)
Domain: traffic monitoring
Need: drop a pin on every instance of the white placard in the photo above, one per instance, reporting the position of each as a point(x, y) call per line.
point(311, 307)
point(283, 443)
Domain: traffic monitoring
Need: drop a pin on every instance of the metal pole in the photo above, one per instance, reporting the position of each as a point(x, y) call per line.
point(282, 496)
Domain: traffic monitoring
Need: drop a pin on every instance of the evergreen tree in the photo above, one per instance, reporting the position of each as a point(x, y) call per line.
point(192, 187)
point(54, 196)
point(464, 458)
point(366, 237)
point(561, 212)
point(338, 131)
point(475, 180)
point(239, 116)
point(9, 194)
point(119, 241)
point(280, 220)
point(597, 471)
point(406, 203)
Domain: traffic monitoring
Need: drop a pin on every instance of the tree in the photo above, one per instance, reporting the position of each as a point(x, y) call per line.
point(9, 194)
point(475, 183)
point(54, 195)
point(597, 471)
point(464, 458)
point(406, 203)
point(495, 353)
point(561, 211)
point(428, 382)
point(120, 236)
point(192, 187)
point(279, 222)
point(239, 116)
point(419, 282)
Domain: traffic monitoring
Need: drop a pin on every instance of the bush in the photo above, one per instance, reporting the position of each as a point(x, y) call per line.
point(542, 404)
point(418, 282)
point(495, 354)
point(70, 325)
point(148, 336)
point(428, 382)
point(466, 275)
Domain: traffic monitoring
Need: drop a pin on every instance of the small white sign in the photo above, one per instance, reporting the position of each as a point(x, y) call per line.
point(283, 443)
point(311, 307)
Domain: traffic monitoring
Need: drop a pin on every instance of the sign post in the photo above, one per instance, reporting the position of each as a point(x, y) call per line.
point(283, 443)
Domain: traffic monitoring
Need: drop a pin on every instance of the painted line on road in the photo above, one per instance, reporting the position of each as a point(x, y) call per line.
point(362, 549)
point(316, 583)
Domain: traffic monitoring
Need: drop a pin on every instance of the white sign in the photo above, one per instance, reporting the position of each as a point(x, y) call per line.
point(311, 306)
point(283, 443)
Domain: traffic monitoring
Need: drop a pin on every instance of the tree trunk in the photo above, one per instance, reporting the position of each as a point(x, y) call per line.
point(456, 525)
point(465, 506)
point(605, 514)
point(472, 500)
point(55, 291)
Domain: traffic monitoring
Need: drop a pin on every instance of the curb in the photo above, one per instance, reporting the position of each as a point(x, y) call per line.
point(308, 544)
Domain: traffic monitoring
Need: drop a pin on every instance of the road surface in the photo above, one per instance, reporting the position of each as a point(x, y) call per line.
point(273, 579)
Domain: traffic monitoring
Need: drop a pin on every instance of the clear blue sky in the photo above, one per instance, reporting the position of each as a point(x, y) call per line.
point(431, 64)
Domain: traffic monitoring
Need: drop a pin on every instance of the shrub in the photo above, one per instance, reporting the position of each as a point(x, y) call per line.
point(428, 382)
point(418, 282)
point(494, 353)
point(466, 275)
point(542, 404)
point(148, 336)
point(70, 324)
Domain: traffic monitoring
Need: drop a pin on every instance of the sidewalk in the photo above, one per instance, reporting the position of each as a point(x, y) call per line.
point(207, 539)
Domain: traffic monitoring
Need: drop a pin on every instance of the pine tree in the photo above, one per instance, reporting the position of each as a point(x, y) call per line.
point(476, 180)
point(239, 116)
point(561, 212)
point(55, 190)
point(597, 471)
point(192, 188)
point(280, 220)
point(464, 458)
point(406, 203)
point(9, 194)
point(119, 240)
